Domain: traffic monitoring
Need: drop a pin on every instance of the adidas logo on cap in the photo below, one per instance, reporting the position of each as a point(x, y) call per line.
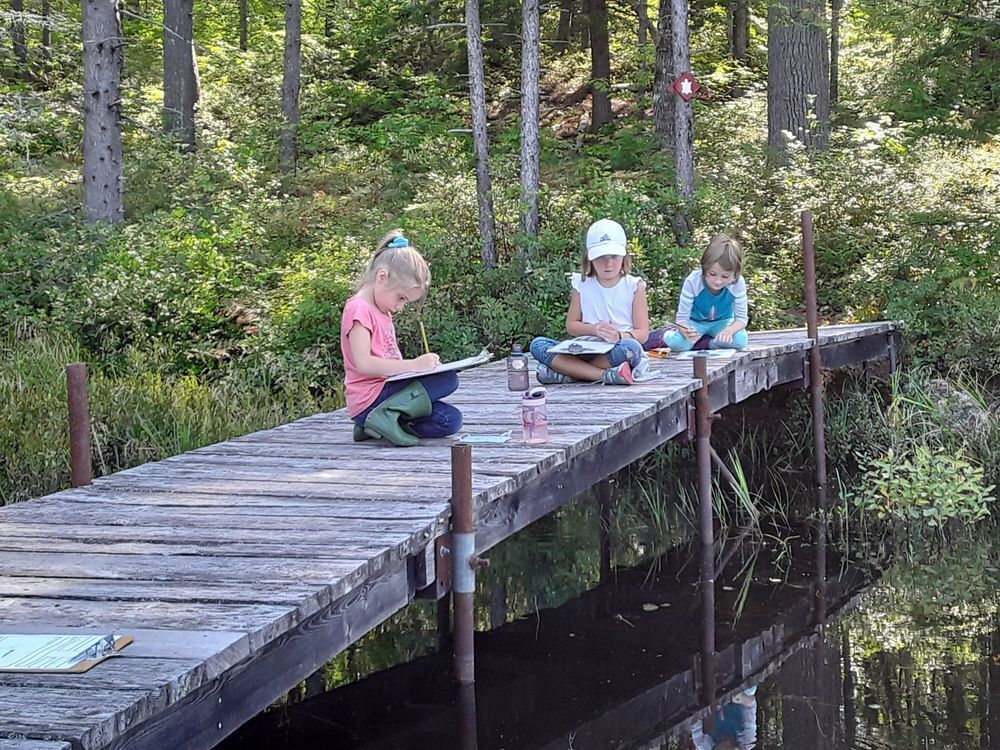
point(605, 238)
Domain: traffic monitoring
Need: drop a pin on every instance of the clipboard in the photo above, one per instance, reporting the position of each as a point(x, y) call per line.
point(57, 654)
point(461, 364)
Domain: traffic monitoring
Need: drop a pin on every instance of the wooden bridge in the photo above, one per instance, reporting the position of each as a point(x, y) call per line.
point(243, 567)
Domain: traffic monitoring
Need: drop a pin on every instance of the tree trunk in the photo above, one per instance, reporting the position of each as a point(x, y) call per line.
point(683, 111)
point(291, 85)
point(663, 98)
point(741, 30)
point(835, 6)
point(180, 80)
point(103, 198)
point(530, 143)
point(565, 24)
point(244, 25)
point(328, 16)
point(798, 76)
point(600, 65)
point(19, 39)
point(741, 37)
point(583, 19)
point(642, 12)
point(477, 97)
point(47, 29)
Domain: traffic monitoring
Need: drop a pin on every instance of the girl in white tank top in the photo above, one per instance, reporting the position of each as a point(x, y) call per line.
point(607, 304)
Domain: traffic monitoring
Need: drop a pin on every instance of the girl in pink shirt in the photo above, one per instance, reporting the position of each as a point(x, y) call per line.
point(401, 411)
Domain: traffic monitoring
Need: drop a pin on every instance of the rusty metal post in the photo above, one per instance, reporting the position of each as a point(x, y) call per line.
point(708, 632)
point(815, 359)
point(703, 431)
point(79, 424)
point(703, 427)
point(444, 621)
point(463, 576)
point(468, 726)
point(819, 611)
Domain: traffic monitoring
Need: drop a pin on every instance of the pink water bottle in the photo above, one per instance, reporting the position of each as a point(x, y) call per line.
point(533, 416)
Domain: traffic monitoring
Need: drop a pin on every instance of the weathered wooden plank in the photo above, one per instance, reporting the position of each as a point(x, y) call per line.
point(292, 472)
point(116, 673)
point(116, 501)
point(260, 518)
point(348, 452)
point(233, 569)
point(357, 465)
point(841, 354)
point(342, 548)
point(197, 540)
point(288, 593)
point(89, 719)
point(34, 745)
point(213, 711)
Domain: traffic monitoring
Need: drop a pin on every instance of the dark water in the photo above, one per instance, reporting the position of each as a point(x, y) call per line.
point(591, 640)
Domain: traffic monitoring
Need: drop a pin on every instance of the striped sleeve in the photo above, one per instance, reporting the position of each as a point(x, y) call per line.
point(739, 292)
point(689, 291)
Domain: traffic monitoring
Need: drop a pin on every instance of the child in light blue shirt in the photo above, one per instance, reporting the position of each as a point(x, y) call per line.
point(713, 300)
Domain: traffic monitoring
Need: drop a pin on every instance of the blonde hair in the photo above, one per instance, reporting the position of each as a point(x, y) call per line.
point(587, 267)
point(725, 251)
point(403, 264)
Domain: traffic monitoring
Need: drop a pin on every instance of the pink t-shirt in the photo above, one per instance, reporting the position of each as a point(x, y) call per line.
point(362, 390)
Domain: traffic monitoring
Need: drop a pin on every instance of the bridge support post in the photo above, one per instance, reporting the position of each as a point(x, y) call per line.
point(79, 424)
point(464, 564)
point(703, 432)
point(815, 359)
point(819, 419)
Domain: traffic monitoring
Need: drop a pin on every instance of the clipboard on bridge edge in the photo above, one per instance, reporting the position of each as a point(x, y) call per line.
point(85, 665)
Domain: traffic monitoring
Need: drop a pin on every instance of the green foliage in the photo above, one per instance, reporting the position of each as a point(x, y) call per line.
point(929, 488)
point(943, 67)
point(139, 414)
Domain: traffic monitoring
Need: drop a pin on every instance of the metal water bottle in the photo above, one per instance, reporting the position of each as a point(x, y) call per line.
point(534, 419)
point(517, 370)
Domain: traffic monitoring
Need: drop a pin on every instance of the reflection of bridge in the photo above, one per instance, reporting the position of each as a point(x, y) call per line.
point(597, 672)
point(243, 567)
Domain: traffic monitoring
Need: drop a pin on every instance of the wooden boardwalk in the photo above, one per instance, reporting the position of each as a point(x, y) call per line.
point(242, 567)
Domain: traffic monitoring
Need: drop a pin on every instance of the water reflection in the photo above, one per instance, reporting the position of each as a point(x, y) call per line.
point(589, 641)
point(643, 655)
point(732, 727)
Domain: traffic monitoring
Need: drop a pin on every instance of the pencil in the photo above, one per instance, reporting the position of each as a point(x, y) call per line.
point(423, 334)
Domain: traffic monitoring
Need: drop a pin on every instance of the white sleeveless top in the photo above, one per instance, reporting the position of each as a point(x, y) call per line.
point(614, 303)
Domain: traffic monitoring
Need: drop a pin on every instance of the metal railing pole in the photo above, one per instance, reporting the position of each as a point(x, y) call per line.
point(463, 575)
point(815, 358)
point(703, 432)
point(79, 424)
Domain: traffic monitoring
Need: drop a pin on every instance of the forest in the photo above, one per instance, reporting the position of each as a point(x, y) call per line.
point(190, 189)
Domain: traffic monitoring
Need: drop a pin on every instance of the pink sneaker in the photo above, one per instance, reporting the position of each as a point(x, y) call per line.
point(621, 375)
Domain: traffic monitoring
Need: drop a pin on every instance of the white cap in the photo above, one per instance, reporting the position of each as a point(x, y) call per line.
point(605, 237)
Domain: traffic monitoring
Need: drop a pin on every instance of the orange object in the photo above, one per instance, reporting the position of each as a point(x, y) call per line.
point(662, 352)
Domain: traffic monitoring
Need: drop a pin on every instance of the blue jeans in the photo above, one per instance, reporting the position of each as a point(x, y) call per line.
point(626, 350)
point(707, 328)
point(443, 420)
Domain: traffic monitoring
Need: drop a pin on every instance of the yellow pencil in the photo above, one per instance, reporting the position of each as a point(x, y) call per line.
point(423, 334)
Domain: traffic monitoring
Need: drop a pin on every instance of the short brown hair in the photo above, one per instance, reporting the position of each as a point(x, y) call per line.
point(725, 251)
point(587, 267)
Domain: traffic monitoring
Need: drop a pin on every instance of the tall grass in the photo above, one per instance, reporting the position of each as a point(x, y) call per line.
point(139, 412)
